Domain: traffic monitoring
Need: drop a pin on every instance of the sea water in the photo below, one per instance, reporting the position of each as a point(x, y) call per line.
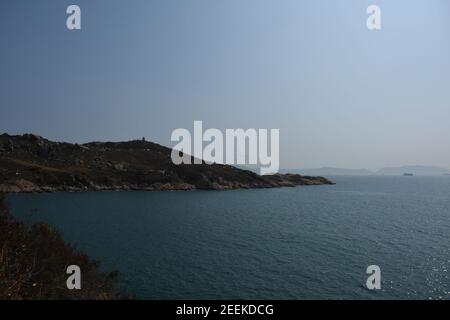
point(312, 242)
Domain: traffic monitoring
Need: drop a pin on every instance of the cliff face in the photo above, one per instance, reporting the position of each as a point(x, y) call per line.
point(29, 163)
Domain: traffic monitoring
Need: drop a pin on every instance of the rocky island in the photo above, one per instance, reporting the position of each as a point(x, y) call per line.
point(30, 163)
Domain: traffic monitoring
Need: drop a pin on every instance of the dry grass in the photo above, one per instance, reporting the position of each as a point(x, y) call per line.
point(33, 261)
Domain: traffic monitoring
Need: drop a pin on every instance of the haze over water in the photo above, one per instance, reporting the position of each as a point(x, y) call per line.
point(288, 243)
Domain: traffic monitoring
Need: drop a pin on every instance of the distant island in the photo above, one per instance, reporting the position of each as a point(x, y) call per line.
point(414, 170)
point(330, 171)
point(30, 163)
point(391, 171)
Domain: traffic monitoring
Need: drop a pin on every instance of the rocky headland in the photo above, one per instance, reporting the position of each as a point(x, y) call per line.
point(30, 163)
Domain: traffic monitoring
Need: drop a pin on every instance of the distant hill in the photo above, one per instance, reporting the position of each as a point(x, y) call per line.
point(416, 170)
point(30, 163)
point(329, 171)
point(394, 171)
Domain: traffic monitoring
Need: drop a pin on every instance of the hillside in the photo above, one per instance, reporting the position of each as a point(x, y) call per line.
point(30, 163)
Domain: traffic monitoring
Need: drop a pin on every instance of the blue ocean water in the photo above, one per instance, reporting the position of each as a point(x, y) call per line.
point(288, 243)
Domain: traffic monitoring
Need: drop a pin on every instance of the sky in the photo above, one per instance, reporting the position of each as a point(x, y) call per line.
point(341, 95)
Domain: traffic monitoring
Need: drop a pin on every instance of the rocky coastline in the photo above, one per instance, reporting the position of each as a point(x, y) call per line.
point(32, 164)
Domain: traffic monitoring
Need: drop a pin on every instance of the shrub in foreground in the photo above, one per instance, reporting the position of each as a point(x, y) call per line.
point(33, 263)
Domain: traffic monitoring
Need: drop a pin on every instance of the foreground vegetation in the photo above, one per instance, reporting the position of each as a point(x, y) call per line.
point(33, 263)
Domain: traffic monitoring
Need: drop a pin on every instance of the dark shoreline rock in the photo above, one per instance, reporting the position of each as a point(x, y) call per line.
point(30, 163)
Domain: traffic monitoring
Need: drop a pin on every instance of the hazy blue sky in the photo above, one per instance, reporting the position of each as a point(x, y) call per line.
point(340, 94)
